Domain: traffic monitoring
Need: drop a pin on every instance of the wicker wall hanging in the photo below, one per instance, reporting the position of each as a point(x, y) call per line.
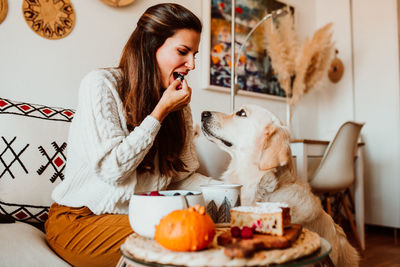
point(118, 3)
point(336, 69)
point(51, 19)
point(3, 10)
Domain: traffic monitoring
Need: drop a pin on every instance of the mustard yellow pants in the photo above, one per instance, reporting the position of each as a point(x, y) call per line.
point(84, 239)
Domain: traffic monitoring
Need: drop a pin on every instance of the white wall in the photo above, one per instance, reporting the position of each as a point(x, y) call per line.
point(335, 101)
point(368, 92)
point(376, 73)
point(49, 71)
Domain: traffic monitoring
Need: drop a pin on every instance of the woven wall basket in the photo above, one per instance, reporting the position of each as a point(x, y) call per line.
point(118, 3)
point(51, 19)
point(3, 10)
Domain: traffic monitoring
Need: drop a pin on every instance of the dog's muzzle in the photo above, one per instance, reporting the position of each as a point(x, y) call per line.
point(206, 119)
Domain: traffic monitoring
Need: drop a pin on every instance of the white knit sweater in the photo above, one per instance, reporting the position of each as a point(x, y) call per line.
point(103, 155)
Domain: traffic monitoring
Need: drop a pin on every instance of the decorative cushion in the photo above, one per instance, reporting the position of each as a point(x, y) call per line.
point(24, 245)
point(32, 157)
point(6, 219)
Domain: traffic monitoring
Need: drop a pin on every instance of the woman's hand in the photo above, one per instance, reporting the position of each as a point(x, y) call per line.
point(172, 99)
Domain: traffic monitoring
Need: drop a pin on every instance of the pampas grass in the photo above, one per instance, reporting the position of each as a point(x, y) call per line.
point(299, 67)
point(290, 42)
point(312, 63)
point(282, 46)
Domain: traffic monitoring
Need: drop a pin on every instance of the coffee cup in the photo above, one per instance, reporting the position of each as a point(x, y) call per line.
point(219, 199)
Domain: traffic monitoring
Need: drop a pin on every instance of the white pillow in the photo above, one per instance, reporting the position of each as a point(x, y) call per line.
point(23, 245)
point(32, 157)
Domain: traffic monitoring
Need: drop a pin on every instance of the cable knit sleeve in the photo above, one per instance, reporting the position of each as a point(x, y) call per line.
point(113, 152)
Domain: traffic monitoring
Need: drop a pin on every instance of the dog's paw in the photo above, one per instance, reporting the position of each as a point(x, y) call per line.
point(268, 182)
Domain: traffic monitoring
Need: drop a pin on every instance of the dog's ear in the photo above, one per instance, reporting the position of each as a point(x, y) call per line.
point(276, 148)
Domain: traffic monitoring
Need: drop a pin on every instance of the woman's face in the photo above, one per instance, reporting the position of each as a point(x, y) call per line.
point(177, 55)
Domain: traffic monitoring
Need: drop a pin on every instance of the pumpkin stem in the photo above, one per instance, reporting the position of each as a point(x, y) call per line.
point(198, 208)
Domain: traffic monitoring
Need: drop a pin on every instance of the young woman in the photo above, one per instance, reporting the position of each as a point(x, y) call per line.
point(132, 132)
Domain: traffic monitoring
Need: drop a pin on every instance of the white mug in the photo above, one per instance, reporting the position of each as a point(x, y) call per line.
point(219, 199)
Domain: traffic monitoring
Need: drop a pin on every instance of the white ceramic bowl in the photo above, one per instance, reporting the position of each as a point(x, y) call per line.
point(145, 212)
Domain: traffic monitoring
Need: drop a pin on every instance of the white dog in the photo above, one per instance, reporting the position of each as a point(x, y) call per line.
point(261, 161)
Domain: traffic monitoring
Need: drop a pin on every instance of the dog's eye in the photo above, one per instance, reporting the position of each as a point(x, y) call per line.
point(241, 113)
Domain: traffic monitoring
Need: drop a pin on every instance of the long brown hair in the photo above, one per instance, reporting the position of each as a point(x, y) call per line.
point(141, 86)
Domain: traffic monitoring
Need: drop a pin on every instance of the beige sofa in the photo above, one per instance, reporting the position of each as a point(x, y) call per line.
point(33, 140)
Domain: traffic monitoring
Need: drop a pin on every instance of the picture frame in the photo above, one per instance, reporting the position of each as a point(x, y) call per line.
point(255, 73)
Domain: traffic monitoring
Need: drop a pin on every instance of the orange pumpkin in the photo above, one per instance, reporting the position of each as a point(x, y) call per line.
point(191, 229)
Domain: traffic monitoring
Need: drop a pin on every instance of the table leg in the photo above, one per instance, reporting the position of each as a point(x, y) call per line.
point(124, 262)
point(300, 152)
point(359, 196)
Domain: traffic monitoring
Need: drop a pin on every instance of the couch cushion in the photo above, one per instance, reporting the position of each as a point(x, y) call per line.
point(32, 157)
point(6, 219)
point(24, 245)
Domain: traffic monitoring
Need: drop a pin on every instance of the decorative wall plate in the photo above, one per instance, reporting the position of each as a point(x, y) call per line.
point(3, 10)
point(51, 19)
point(118, 3)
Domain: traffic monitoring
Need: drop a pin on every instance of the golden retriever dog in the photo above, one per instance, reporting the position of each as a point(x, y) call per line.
point(261, 161)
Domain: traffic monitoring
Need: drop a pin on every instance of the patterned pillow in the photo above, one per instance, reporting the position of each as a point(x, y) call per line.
point(32, 157)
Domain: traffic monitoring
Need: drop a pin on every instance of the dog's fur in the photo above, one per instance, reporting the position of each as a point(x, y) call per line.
point(261, 161)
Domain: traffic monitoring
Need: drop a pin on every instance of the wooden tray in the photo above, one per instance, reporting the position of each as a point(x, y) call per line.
point(148, 252)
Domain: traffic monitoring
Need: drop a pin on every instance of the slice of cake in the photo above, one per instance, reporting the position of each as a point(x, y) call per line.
point(266, 218)
point(285, 210)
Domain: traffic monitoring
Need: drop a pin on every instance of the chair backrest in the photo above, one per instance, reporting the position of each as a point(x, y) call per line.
point(336, 170)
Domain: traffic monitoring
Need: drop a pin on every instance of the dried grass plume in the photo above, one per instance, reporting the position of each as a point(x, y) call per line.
point(299, 68)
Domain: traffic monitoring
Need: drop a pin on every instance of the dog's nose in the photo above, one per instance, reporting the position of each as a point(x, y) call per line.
point(205, 115)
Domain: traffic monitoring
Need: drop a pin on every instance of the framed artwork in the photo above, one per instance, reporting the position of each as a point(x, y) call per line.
point(254, 70)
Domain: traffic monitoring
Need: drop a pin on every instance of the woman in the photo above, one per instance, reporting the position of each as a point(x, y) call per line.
point(132, 132)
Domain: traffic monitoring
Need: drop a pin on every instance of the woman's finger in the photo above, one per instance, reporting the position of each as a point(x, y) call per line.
point(174, 85)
